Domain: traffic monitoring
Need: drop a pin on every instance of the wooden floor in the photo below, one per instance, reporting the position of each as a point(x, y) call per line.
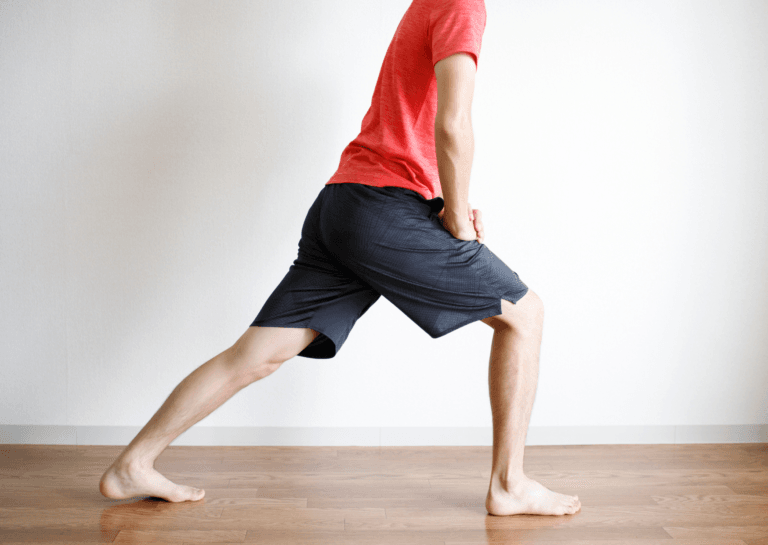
point(630, 494)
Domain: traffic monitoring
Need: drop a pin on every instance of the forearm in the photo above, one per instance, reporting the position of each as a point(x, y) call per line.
point(455, 149)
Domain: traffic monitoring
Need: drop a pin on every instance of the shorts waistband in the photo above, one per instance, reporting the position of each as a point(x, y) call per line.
point(435, 204)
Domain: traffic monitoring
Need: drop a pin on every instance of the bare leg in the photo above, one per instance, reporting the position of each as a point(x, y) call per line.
point(257, 354)
point(512, 379)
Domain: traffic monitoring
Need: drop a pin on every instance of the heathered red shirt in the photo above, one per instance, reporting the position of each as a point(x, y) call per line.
point(396, 146)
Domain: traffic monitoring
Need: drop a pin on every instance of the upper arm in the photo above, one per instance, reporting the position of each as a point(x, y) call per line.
point(455, 87)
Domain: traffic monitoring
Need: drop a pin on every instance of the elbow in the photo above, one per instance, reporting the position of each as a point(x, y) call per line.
point(454, 126)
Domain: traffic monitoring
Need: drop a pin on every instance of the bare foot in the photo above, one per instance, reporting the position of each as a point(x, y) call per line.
point(528, 497)
point(120, 482)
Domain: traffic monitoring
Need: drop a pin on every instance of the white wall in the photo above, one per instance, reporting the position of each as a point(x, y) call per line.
point(157, 160)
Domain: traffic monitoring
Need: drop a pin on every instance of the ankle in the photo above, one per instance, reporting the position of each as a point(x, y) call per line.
point(132, 464)
point(508, 480)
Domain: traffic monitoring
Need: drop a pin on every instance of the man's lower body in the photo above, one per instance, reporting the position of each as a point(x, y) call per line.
point(358, 243)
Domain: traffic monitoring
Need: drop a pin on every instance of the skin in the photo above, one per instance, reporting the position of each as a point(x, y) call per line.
point(260, 351)
point(472, 229)
point(514, 362)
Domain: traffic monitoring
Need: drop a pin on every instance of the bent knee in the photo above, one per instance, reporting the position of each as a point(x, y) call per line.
point(535, 305)
point(251, 365)
point(526, 316)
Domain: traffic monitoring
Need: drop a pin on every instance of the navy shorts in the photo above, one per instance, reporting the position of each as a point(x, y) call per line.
point(360, 242)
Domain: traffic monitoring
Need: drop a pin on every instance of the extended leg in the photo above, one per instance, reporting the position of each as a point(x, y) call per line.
point(512, 379)
point(258, 353)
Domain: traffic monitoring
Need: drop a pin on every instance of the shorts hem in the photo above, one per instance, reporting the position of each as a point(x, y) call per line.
point(495, 310)
point(322, 347)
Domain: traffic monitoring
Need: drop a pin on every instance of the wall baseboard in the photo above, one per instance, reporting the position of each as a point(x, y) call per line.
point(375, 437)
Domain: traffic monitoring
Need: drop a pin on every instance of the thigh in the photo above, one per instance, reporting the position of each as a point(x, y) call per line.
point(311, 296)
point(317, 293)
point(394, 241)
point(272, 345)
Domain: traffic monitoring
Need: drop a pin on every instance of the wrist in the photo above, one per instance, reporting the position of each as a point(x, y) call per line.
point(459, 222)
point(455, 214)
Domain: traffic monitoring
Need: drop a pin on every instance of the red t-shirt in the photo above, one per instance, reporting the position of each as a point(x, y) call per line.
point(396, 146)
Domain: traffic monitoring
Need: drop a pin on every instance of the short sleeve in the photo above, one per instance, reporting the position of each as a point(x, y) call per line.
point(457, 26)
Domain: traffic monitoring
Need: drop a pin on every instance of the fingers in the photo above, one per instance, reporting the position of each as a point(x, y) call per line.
point(475, 218)
point(478, 223)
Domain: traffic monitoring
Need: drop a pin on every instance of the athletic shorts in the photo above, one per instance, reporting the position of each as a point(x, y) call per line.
point(359, 242)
